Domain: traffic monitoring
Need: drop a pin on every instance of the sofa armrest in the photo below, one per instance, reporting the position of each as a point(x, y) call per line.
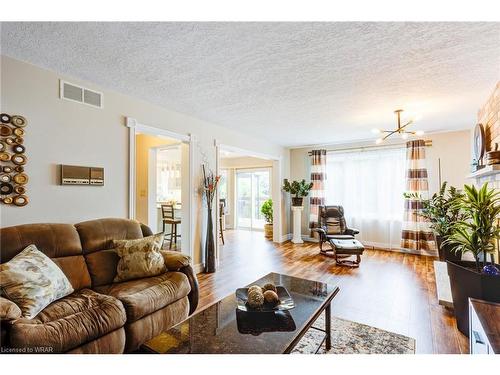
point(9, 310)
point(175, 260)
point(193, 295)
point(351, 231)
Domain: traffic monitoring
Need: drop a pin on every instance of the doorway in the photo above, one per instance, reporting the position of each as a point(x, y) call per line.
point(247, 181)
point(160, 184)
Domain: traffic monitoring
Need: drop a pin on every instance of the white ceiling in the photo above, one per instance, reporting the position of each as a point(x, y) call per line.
point(292, 83)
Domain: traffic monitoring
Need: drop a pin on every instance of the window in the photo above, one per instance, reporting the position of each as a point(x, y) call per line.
point(252, 190)
point(370, 186)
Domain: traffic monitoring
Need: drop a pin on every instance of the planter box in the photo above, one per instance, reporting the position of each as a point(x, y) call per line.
point(268, 231)
point(297, 201)
point(446, 251)
point(467, 283)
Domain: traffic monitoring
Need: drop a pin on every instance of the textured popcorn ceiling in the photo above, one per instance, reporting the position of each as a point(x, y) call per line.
point(293, 83)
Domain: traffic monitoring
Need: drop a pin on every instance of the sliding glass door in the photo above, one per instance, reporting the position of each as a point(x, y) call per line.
point(252, 190)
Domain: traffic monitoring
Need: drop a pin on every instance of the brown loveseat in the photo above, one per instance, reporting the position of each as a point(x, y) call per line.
point(99, 316)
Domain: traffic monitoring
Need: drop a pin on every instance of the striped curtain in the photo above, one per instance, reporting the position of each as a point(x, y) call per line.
point(318, 177)
point(417, 237)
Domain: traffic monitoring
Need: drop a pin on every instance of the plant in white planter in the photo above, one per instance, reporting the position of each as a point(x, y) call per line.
point(476, 234)
point(267, 211)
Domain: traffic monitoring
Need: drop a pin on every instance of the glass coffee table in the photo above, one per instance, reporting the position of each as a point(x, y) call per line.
point(223, 329)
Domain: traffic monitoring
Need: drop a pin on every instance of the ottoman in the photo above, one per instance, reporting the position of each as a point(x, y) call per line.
point(344, 248)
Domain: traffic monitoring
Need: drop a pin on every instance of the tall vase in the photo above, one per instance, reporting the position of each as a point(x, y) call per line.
point(210, 245)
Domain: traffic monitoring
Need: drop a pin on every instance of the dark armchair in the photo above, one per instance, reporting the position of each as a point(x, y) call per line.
point(332, 226)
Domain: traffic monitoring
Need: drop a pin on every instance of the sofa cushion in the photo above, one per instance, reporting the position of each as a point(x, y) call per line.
point(152, 325)
point(69, 322)
point(32, 281)
point(54, 240)
point(60, 242)
point(9, 310)
point(139, 258)
point(102, 266)
point(145, 296)
point(96, 235)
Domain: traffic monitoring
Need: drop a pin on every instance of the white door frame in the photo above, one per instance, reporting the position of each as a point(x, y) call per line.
point(136, 127)
point(275, 185)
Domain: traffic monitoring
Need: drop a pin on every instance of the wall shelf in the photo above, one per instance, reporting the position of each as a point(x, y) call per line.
point(489, 170)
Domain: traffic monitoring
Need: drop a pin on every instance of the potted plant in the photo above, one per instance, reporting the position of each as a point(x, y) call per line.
point(267, 211)
point(298, 188)
point(477, 234)
point(442, 211)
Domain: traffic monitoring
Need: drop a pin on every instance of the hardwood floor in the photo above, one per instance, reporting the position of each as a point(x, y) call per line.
point(391, 291)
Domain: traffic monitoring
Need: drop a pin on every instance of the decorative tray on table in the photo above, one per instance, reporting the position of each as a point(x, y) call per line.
point(283, 302)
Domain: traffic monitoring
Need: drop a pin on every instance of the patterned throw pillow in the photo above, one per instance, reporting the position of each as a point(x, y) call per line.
point(139, 258)
point(32, 281)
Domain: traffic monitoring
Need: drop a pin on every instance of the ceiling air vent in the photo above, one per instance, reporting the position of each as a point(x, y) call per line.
point(75, 93)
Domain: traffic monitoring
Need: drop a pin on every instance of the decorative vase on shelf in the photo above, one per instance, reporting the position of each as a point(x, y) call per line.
point(210, 245)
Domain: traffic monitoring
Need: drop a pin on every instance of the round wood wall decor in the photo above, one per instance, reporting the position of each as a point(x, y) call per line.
point(19, 189)
point(5, 118)
point(18, 121)
point(21, 178)
point(4, 156)
point(13, 157)
point(19, 159)
point(5, 130)
point(6, 188)
point(19, 149)
point(20, 200)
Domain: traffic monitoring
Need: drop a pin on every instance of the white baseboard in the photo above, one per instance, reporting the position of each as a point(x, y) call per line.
point(387, 247)
point(198, 268)
point(305, 238)
point(286, 237)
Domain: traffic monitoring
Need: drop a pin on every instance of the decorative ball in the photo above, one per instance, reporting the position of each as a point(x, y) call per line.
point(269, 286)
point(255, 287)
point(491, 270)
point(255, 299)
point(271, 298)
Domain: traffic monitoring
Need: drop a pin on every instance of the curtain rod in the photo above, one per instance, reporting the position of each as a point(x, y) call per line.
point(362, 148)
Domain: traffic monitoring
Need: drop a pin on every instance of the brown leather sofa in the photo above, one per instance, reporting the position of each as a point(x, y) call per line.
point(99, 316)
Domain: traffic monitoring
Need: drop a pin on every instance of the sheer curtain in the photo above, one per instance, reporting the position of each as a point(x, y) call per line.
point(370, 186)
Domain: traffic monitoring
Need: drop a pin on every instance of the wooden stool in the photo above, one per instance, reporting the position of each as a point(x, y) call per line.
point(167, 212)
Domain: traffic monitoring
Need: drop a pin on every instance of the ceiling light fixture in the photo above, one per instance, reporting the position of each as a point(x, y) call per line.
point(399, 130)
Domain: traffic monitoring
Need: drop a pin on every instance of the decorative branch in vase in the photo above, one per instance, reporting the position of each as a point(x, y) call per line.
point(210, 184)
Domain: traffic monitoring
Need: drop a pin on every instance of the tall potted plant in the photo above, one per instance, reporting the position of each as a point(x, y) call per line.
point(267, 211)
point(442, 211)
point(299, 189)
point(475, 234)
point(210, 183)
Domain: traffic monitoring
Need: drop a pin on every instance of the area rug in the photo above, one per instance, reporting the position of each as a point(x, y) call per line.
point(354, 338)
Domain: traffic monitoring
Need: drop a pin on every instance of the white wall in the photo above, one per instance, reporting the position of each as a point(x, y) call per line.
point(64, 132)
point(453, 148)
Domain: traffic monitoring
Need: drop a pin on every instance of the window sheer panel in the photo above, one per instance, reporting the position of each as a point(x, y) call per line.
point(370, 186)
